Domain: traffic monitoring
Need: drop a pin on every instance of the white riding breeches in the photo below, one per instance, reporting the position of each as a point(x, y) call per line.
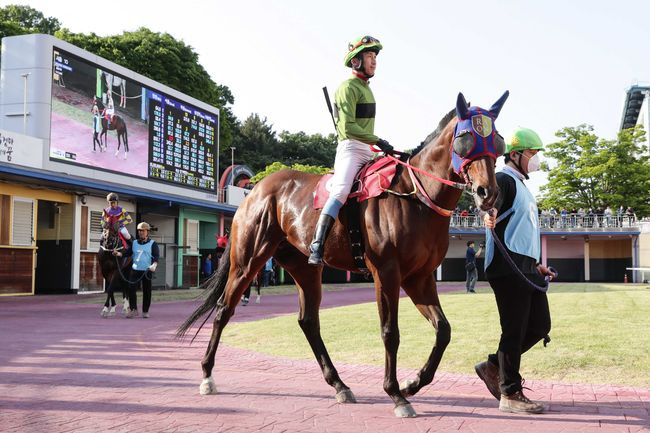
point(125, 233)
point(350, 157)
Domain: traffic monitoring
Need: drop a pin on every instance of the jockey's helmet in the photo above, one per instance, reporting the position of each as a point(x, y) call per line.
point(112, 197)
point(144, 226)
point(360, 45)
point(523, 138)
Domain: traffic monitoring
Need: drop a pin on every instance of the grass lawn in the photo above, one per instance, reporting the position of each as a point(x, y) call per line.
point(600, 333)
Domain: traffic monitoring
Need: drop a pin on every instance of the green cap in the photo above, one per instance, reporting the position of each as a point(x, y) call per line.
point(361, 44)
point(523, 138)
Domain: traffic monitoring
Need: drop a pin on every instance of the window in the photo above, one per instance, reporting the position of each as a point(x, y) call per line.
point(23, 222)
point(192, 236)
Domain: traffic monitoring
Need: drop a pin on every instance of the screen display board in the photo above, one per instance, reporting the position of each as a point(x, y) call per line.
point(104, 121)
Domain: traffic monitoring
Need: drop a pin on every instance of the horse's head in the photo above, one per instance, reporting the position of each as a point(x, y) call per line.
point(110, 237)
point(476, 146)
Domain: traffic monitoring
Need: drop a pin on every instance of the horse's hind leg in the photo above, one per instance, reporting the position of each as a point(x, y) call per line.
point(308, 280)
point(242, 271)
point(423, 294)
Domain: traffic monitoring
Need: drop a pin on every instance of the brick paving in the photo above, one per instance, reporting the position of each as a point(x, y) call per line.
point(63, 369)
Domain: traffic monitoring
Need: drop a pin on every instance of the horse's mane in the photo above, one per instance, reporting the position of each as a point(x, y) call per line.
point(443, 122)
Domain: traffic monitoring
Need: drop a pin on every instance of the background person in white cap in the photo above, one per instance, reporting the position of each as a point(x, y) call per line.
point(145, 254)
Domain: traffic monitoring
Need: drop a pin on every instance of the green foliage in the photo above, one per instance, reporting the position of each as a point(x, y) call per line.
point(277, 166)
point(592, 172)
point(19, 20)
point(257, 144)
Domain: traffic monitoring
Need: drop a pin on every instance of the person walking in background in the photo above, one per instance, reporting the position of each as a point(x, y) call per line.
point(145, 254)
point(524, 313)
point(207, 266)
point(470, 266)
point(267, 272)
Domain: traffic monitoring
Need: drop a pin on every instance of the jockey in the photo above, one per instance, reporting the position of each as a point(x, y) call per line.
point(109, 111)
point(354, 109)
point(114, 213)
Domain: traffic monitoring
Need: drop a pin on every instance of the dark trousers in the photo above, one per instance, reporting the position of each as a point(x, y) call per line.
point(135, 278)
point(525, 320)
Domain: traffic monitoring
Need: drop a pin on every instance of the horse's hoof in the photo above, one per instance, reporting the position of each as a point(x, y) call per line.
point(345, 396)
point(403, 388)
point(208, 386)
point(404, 411)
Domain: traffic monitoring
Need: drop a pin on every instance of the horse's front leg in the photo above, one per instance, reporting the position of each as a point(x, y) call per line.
point(387, 292)
point(422, 292)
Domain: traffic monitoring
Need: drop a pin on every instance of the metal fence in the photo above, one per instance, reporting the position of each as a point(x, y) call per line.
point(569, 221)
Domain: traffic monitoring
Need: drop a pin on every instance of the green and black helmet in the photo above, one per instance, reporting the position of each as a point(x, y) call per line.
point(364, 43)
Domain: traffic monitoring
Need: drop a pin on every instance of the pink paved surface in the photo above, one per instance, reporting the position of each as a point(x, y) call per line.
point(62, 369)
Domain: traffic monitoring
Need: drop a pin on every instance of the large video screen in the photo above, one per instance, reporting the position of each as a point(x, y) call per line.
point(104, 121)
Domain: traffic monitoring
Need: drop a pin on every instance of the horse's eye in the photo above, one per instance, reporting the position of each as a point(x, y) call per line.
point(463, 143)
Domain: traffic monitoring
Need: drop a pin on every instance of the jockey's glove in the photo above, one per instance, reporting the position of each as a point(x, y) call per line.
point(117, 253)
point(153, 266)
point(385, 146)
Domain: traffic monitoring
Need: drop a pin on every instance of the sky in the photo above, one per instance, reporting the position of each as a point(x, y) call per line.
point(565, 63)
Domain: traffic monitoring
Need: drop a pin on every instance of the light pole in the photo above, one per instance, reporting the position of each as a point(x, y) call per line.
point(232, 164)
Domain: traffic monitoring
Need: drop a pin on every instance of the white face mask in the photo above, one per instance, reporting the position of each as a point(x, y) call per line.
point(534, 162)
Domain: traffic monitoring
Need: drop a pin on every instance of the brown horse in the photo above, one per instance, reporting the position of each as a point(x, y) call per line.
point(119, 126)
point(405, 241)
point(113, 268)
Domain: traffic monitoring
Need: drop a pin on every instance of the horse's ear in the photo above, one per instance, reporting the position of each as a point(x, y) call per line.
point(496, 108)
point(461, 107)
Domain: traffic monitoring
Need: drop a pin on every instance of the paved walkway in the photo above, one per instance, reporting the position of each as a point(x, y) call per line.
point(63, 369)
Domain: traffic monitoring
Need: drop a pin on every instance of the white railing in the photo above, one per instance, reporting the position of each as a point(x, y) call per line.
point(569, 221)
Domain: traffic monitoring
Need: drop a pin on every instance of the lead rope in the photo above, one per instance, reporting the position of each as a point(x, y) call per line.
point(515, 268)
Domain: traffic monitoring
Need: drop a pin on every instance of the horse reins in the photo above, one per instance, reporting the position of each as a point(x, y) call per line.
point(117, 263)
point(418, 188)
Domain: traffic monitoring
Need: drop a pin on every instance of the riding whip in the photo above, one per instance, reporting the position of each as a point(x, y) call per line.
point(329, 106)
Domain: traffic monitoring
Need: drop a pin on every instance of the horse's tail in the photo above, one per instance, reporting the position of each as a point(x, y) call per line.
point(213, 291)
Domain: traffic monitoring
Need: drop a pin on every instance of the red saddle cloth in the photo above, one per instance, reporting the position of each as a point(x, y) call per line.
point(372, 180)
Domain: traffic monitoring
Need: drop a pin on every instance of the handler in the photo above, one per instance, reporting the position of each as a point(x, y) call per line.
point(523, 311)
point(354, 110)
point(145, 254)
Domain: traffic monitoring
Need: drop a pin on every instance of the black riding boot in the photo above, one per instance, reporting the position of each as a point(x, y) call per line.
point(323, 227)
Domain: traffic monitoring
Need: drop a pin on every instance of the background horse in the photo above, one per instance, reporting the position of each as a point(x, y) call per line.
point(405, 241)
point(109, 265)
point(118, 125)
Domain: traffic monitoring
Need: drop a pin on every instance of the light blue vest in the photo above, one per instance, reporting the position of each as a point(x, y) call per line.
point(142, 255)
point(522, 234)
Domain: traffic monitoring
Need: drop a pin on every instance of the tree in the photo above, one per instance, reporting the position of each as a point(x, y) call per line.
point(277, 166)
point(255, 142)
point(20, 20)
point(592, 172)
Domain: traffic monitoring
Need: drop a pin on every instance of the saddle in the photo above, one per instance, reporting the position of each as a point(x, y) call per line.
point(372, 180)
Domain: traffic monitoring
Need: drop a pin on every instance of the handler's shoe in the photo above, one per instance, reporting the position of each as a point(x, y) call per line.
point(104, 312)
point(145, 315)
point(519, 403)
point(489, 373)
point(111, 312)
